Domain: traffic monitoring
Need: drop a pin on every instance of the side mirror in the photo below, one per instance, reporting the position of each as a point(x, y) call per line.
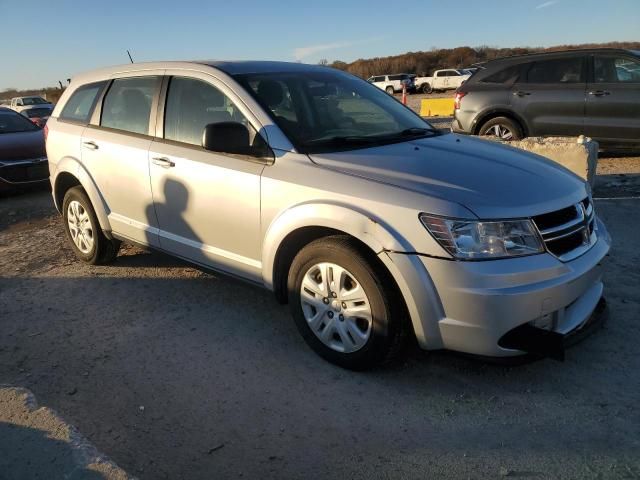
point(226, 137)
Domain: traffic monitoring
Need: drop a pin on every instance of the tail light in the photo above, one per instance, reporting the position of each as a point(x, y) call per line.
point(46, 132)
point(458, 99)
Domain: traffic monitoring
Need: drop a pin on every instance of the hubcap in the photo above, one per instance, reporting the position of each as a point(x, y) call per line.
point(336, 307)
point(500, 131)
point(80, 226)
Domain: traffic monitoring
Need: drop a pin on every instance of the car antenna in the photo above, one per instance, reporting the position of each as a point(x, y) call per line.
point(129, 56)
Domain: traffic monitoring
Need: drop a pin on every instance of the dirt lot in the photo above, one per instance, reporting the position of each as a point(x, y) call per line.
point(175, 373)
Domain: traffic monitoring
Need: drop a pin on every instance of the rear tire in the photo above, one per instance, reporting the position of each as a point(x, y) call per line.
point(503, 128)
point(344, 306)
point(389, 90)
point(83, 230)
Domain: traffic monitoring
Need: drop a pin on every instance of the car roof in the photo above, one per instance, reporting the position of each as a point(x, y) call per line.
point(559, 53)
point(259, 66)
point(226, 67)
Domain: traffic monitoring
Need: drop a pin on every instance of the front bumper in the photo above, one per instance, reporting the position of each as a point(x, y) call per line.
point(479, 302)
point(24, 172)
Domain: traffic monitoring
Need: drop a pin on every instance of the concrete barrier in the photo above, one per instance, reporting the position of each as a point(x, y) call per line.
point(436, 107)
point(578, 155)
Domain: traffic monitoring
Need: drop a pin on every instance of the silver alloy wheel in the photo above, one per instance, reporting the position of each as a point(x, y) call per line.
point(500, 131)
point(336, 307)
point(80, 226)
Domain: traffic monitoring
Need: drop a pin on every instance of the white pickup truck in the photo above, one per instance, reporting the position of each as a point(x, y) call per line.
point(24, 103)
point(448, 79)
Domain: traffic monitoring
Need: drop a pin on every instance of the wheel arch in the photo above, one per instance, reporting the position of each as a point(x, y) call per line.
point(71, 173)
point(300, 225)
point(499, 112)
point(296, 228)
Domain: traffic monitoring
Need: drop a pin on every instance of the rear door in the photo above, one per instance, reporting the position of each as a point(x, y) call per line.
point(550, 96)
point(613, 98)
point(115, 148)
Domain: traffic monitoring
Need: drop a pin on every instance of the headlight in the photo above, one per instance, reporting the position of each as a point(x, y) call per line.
point(476, 240)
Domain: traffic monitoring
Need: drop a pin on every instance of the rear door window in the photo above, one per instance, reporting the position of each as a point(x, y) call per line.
point(127, 105)
point(506, 75)
point(80, 105)
point(609, 69)
point(559, 70)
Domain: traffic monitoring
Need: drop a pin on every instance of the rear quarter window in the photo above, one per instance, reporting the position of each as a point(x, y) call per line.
point(506, 75)
point(81, 103)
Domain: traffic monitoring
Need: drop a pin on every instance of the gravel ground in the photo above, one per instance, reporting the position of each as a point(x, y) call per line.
point(176, 373)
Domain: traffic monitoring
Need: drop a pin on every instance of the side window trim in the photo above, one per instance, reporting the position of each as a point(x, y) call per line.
point(94, 120)
point(162, 102)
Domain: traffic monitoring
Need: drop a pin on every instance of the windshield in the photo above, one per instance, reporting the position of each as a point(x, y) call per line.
point(33, 101)
point(324, 111)
point(11, 122)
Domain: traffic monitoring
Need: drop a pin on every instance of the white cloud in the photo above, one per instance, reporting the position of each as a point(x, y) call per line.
point(546, 4)
point(303, 52)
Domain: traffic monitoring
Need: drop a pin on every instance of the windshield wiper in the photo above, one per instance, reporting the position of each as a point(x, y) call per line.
point(415, 131)
point(344, 140)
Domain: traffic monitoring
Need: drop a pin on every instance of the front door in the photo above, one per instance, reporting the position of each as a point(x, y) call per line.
point(550, 97)
point(207, 204)
point(115, 150)
point(613, 99)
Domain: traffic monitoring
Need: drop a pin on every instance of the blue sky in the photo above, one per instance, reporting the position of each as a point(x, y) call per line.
point(44, 40)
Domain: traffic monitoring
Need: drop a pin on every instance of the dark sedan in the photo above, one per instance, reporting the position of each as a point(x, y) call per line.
point(23, 159)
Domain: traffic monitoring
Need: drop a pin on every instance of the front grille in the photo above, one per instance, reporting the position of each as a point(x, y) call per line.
point(568, 232)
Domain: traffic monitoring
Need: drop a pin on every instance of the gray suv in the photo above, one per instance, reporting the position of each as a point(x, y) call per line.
point(591, 92)
point(371, 224)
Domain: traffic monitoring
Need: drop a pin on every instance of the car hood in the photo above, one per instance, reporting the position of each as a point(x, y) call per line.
point(22, 145)
point(490, 179)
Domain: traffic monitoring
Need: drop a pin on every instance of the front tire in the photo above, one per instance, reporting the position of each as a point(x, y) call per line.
point(344, 306)
point(426, 88)
point(503, 128)
point(82, 229)
point(389, 90)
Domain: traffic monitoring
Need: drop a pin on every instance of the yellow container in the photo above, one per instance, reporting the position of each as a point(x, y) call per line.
point(436, 107)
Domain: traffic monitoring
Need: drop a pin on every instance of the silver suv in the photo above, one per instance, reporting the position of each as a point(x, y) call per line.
point(371, 224)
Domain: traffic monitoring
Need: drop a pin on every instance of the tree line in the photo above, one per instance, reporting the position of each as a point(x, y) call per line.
point(424, 63)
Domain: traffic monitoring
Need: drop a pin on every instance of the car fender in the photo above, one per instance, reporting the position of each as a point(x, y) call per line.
point(500, 110)
point(74, 167)
point(364, 226)
point(414, 282)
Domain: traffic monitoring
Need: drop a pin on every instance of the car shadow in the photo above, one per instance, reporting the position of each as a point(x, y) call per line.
point(617, 185)
point(27, 453)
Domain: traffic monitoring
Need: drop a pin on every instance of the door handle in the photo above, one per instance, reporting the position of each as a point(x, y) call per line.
point(520, 93)
point(90, 145)
point(599, 93)
point(163, 162)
